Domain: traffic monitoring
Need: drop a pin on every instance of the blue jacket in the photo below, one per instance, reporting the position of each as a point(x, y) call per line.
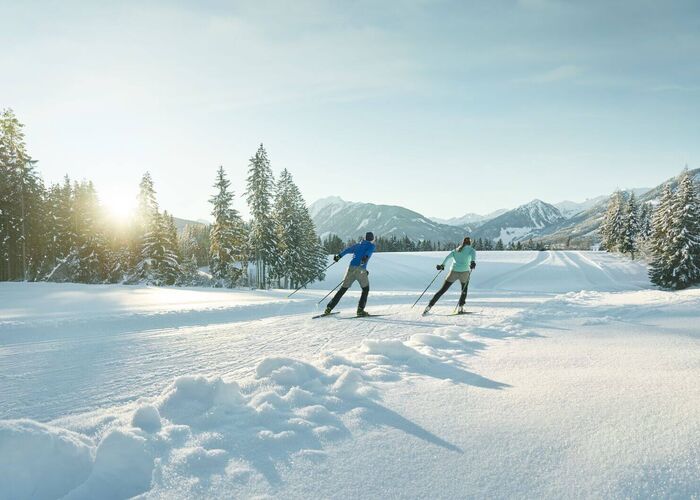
point(359, 251)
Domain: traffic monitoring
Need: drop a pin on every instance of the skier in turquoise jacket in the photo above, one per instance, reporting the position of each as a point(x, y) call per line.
point(464, 261)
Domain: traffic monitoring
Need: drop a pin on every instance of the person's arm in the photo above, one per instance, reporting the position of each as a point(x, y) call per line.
point(449, 256)
point(472, 264)
point(348, 250)
point(441, 267)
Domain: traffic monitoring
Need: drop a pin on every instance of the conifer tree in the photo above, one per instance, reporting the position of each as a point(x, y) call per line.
point(227, 237)
point(149, 245)
point(169, 265)
point(22, 239)
point(677, 258)
point(613, 226)
point(660, 223)
point(628, 240)
point(262, 233)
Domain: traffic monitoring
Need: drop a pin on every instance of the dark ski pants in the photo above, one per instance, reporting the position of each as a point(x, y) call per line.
point(354, 273)
point(451, 278)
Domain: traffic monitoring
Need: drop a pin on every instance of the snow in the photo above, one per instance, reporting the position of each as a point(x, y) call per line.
point(512, 234)
point(573, 377)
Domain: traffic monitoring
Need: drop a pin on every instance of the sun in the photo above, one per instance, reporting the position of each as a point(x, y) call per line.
point(117, 207)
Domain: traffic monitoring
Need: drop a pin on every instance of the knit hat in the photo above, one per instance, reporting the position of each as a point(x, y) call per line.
point(369, 236)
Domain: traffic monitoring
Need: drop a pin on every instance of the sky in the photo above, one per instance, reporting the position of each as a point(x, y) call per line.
point(445, 107)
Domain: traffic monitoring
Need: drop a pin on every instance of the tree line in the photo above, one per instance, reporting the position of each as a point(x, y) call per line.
point(333, 244)
point(60, 232)
point(667, 233)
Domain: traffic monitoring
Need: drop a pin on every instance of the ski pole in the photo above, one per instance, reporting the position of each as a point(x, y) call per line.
point(324, 298)
point(302, 286)
point(426, 288)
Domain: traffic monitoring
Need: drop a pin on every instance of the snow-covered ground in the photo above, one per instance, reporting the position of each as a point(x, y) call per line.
point(573, 378)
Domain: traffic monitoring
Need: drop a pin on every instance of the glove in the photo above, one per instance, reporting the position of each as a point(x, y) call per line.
point(440, 267)
point(472, 265)
point(364, 259)
point(336, 258)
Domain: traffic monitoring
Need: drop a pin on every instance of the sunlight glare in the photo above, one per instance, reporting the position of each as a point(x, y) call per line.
point(118, 207)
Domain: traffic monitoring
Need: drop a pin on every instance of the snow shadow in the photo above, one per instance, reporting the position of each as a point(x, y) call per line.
point(203, 430)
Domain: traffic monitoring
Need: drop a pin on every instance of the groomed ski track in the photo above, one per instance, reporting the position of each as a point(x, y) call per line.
point(522, 399)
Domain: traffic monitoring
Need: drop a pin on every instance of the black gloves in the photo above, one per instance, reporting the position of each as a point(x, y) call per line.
point(472, 265)
point(364, 259)
point(440, 267)
point(336, 258)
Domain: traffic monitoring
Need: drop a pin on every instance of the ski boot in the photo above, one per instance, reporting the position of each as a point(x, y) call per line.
point(327, 311)
point(461, 310)
point(361, 313)
point(426, 310)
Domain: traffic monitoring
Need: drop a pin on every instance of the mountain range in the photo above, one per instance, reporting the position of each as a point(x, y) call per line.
point(566, 221)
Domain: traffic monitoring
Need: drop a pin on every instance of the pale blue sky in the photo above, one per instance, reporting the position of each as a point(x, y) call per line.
point(443, 107)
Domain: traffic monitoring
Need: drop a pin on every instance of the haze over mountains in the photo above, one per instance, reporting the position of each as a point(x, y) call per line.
point(575, 222)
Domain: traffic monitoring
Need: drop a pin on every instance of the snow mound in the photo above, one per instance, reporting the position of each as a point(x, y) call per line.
point(147, 418)
point(41, 461)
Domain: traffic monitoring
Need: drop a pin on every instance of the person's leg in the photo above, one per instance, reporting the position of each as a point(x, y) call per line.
point(363, 279)
point(445, 286)
point(347, 283)
point(465, 287)
point(336, 298)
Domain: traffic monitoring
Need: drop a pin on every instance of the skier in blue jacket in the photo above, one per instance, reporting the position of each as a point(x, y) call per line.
point(357, 271)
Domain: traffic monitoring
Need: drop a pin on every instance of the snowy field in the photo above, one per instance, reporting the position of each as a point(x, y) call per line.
point(572, 378)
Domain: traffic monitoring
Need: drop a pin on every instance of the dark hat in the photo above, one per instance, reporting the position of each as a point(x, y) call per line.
point(369, 236)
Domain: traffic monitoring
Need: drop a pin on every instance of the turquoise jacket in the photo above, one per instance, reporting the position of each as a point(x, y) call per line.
point(462, 259)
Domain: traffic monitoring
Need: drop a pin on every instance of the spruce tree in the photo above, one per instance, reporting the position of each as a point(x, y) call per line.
point(262, 233)
point(169, 265)
point(677, 259)
point(22, 236)
point(660, 225)
point(89, 249)
point(227, 237)
point(148, 249)
point(613, 226)
point(628, 240)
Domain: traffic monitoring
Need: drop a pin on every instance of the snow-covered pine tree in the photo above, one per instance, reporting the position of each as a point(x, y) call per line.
point(22, 235)
point(259, 194)
point(194, 240)
point(659, 238)
point(147, 250)
point(677, 252)
point(645, 214)
point(612, 228)
point(226, 236)
point(288, 237)
point(313, 259)
point(189, 273)
point(89, 250)
point(628, 241)
point(169, 264)
point(499, 245)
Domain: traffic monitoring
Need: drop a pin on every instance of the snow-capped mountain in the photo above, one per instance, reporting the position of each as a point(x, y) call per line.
point(583, 227)
point(350, 220)
point(570, 208)
point(470, 219)
point(520, 223)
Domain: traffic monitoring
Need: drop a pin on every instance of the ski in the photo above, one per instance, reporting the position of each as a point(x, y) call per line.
point(324, 315)
point(368, 316)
